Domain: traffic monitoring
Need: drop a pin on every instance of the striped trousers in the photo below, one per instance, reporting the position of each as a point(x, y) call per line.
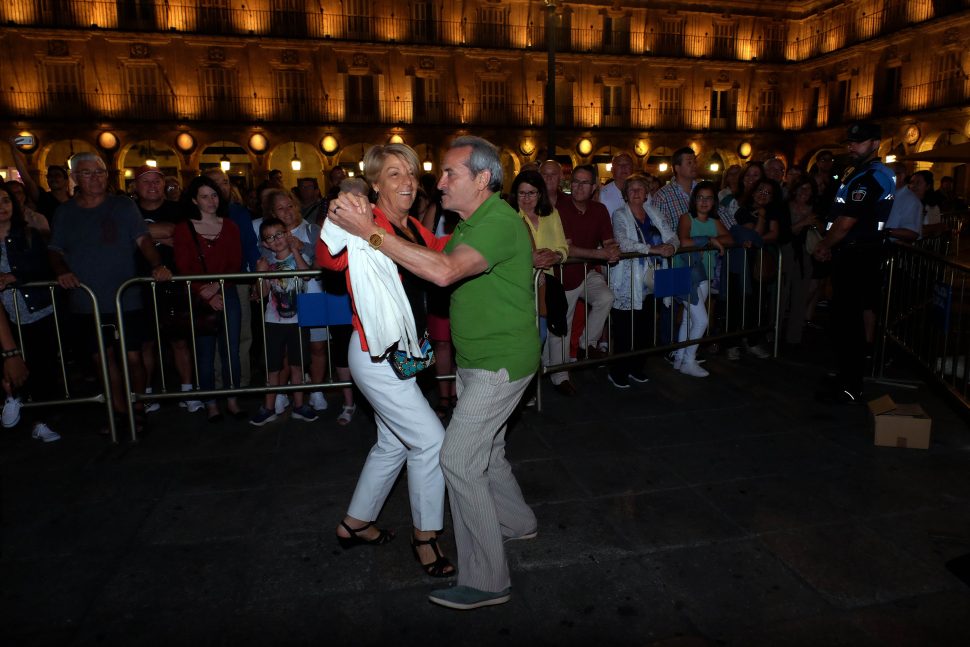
point(486, 502)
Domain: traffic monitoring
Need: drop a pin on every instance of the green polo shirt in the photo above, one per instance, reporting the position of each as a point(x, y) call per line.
point(493, 315)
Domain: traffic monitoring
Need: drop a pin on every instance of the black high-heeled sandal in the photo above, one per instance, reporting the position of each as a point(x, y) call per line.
point(382, 538)
point(437, 568)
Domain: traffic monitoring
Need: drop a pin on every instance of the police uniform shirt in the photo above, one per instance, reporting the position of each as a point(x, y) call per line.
point(866, 194)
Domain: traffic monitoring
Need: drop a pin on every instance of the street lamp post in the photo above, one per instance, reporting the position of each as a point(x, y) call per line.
point(551, 79)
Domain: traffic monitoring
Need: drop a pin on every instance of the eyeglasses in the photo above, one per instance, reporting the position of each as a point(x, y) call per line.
point(87, 174)
point(528, 194)
point(275, 237)
point(582, 182)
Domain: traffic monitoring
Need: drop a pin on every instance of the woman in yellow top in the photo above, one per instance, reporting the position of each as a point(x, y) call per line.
point(529, 198)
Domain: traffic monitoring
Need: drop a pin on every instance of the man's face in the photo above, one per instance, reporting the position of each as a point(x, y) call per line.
point(918, 186)
point(861, 150)
point(150, 188)
point(56, 179)
point(582, 186)
point(825, 161)
point(622, 168)
point(775, 170)
point(308, 192)
point(552, 176)
point(687, 169)
point(459, 188)
point(276, 177)
point(337, 175)
point(222, 181)
point(91, 178)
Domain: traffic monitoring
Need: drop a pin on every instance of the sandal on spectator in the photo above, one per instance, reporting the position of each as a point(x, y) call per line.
point(441, 566)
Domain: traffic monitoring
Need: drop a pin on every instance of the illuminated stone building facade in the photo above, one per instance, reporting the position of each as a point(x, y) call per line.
point(261, 82)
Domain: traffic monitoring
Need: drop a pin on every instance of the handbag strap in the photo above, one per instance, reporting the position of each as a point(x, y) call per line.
point(198, 247)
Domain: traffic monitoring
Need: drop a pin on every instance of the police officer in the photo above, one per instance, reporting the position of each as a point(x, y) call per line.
point(863, 200)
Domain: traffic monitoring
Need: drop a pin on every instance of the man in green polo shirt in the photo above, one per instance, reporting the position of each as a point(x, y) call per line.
point(493, 326)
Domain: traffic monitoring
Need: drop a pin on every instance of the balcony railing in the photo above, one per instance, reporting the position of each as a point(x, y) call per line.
point(804, 40)
point(131, 107)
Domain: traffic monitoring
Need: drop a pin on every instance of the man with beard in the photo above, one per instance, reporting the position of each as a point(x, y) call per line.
point(863, 200)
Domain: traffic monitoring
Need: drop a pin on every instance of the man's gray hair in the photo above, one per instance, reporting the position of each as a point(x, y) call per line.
point(77, 158)
point(484, 157)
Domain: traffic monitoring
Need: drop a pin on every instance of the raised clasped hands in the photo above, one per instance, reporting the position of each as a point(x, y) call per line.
point(665, 250)
point(353, 213)
point(611, 252)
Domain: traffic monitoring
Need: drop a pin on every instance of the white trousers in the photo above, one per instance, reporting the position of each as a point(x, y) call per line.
point(408, 431)
point(599, 298)
point(694, 323)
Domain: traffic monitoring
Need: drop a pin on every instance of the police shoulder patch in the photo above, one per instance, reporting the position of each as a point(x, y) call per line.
point(858, 194)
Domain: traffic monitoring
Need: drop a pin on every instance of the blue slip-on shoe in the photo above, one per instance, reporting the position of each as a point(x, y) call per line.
point(465, 597)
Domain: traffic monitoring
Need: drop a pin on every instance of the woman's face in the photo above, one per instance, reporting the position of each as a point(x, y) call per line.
point(528, 197)
point(6, 206)
point(636, 193)
point(704, 202)
point(763, 194)
point(751, 177)
point(284, 209)
point(803, 195)
point(207, 199)
point(396, 185)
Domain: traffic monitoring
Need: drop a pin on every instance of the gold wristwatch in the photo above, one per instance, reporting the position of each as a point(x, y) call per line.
point(376, 239)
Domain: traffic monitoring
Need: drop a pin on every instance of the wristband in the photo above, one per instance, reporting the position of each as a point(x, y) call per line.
point(13, 352)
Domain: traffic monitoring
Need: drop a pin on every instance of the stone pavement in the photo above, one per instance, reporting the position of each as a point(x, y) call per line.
point(727, 510)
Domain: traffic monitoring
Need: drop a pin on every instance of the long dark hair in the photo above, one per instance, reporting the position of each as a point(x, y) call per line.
point(532, 178)
point(17, 219)
point(190, 209)
point(744, 199)
point(805, 180)
point(710, 186)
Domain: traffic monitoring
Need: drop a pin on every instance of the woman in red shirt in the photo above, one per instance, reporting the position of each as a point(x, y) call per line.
point(207, 242)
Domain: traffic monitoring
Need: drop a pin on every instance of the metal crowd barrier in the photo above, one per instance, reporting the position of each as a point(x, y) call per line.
point(185, 282)
point(69, 399)
point(767, 310)
point(926, 315)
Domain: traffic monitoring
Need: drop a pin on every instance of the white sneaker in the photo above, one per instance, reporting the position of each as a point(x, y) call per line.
point(734, 353)
point(758, 352)
point(45, 433)
point(192, 405)
point(317, 401)
point(11, 412)
point(282, 403)
point(677, 363)
point(152, 407)
point(693, 369)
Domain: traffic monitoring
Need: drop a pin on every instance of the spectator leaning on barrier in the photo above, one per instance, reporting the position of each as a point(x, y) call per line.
point(863, 199)
point(641, 229)
point(94, 238)
point(905, 221)
point(590, 235)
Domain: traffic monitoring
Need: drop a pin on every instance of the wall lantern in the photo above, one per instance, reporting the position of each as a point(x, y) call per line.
point(396, 139)
point(641, 148)
point(329, 144)
point(108, 140)
point(185, 142)
point(258, 143)
point(744, 150)
point(295, 163)
point(584, 147)
point(527, 147)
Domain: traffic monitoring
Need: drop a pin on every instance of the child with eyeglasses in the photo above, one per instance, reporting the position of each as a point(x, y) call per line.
point(284, 337)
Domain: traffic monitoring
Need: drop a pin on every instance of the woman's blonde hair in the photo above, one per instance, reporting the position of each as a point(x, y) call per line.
point(269, 198)
point(376, 156)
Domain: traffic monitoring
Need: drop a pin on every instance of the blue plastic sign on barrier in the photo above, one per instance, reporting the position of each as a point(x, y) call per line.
point(671, 282)
point(317, 309)
point(942, 303)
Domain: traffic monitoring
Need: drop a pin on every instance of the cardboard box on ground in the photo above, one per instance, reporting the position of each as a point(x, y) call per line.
point(900, 425)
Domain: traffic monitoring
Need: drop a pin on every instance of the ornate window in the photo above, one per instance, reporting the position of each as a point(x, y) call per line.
point(425, 27)
point(361, 97)
point(671, 100)
point(292, 98)
point(725, 38)
point(495, 100)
